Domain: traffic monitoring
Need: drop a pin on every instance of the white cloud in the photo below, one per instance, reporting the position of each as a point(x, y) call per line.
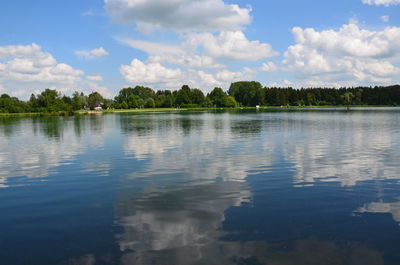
point(104, 91)
point(149, 74)
point(180, 15)
point(350, 53)
point(26, 69)
point(158, 76)
point(95, 53)
point(200, 50)
point(268, 67)
point(231, 45)
point(381, 2)
point(228, 76)
point(190, 61)
point(28, 63)
point(152, 47)
point(205, 78)
point(94, 77)
point(385, 18)
point(172, 54)
point(206, 81)
point(99, 52)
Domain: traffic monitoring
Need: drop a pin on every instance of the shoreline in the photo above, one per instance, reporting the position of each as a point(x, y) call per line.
point(155, 110)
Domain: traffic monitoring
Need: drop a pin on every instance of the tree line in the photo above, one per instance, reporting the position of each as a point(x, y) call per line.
point(243, 94)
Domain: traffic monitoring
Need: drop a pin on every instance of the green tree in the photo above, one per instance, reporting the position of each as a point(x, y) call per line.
point(124, 94)
point(95, 99)
point(197, 96)
point(230, 102)
point(124, 105)
point(182, 98)
point(79, 101)
point(311, 101)
point(217, 96)
point(168, 102)
point(348, 98)
point(50, 101)
point(150, 103)
point(141, 103)
point(10, 104)
point(207, 103)
point(247, 93)
point(133, 101)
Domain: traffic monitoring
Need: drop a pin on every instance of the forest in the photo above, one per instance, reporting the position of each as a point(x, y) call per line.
point(240, 94)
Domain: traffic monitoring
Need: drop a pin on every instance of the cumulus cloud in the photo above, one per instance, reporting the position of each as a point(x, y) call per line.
point(209, 30)
point(231, 45)
point(381, 2)
point(28, 63)
point(104, 91)
point(190, 61)
point(222, 78)
point(268, 67)
point(179, 15)
point(28, 69)
point(95, 53)
point(173, 54)
point(152, 47)
point(351, 53)
point(158, 76)
point(152, 73)
point(201, 50)
point(228, 76)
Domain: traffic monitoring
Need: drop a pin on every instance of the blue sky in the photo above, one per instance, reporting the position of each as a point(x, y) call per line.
point(105, 45)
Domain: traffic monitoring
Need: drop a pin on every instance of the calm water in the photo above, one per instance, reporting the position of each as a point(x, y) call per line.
point(273, 188)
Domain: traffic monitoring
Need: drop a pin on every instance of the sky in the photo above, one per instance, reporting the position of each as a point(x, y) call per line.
point(105, 45)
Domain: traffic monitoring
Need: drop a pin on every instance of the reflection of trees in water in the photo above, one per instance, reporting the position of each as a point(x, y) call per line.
point(138, 124)
point(50, 126)
point(79, 125)
point(10, 125)
point(146, 124)
point(96, 123)
point(190, 123)
point(53, 127)
point(247, 127)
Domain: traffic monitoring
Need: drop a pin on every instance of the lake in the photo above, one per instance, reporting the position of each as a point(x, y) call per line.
point(179, 188)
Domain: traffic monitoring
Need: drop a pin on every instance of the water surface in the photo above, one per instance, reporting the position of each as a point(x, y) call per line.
point(283, 187)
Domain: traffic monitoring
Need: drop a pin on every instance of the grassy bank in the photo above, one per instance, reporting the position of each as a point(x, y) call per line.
point(22, 114)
